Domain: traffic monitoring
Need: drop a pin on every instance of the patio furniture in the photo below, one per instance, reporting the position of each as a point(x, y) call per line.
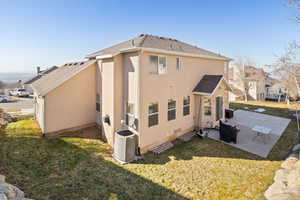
point(261, 132)
point(228, 133)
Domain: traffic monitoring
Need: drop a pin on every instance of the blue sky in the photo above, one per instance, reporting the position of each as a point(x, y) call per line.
point(46, 33)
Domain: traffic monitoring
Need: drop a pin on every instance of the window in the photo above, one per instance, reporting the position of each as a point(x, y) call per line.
point(129, 110)
point(178, 63)
point(97, 102)
point(153, 114)
point(219, 108)
point(207, 106)
point(171, 109)
point(186, 105)
point(158, 64)
point(98, 107)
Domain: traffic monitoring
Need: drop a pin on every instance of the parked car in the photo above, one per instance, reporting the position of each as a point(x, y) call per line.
point(19, 92)
point(4, 99)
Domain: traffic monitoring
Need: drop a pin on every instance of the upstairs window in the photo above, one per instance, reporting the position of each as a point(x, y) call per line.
point(186, 105)
point(153, 114)
point(171, 109)
point(178, 64)
point(158, 64)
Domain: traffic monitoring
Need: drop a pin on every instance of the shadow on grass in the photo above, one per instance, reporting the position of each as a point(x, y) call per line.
point(71, 169)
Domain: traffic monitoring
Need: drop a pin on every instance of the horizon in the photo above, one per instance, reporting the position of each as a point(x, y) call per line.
point(50, 33)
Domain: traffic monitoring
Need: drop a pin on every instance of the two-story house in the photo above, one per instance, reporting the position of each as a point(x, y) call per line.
point(157, 87)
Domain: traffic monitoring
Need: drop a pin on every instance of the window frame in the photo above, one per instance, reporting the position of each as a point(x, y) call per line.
point(186, 105)
point(98, 102)
point(152, 114)
point(178, 63)
point(205, 106)
point(171, 109)
point(157, 64)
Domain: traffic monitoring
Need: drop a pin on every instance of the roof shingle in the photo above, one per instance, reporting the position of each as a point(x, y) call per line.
point(208, 84)
point(156, 42)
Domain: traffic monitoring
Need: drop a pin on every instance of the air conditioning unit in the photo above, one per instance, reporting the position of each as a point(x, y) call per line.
point(125, 146)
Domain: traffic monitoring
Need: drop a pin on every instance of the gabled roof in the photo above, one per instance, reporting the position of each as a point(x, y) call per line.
point(208, 84)
point(156, 43)
point(35, 78)
point(52, 80)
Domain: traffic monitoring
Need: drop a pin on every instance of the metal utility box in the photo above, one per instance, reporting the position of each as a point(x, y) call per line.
point(124, 146)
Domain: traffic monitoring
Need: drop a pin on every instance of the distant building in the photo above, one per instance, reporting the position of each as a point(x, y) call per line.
point(254, 83)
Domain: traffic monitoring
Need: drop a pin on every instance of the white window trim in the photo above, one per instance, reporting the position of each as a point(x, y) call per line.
point(157, 70)
point(151, 114)
point(171, 109)
point(187, 105)
point(223, 107)
point(178, 68)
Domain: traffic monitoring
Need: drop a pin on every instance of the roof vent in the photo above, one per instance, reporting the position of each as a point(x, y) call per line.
point(81, 63)
point(142, 35)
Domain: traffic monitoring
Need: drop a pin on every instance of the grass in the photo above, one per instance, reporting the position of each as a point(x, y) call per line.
point(83, 169)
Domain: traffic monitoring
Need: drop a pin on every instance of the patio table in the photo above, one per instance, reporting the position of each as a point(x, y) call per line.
point(261, 131)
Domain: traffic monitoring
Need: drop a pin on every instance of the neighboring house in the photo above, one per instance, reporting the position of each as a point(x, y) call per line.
point(275, 90)
point(249, 80)
point(158, 88)
point(40, 73)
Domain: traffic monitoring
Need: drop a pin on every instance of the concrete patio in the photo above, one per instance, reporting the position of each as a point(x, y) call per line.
point(246, 120)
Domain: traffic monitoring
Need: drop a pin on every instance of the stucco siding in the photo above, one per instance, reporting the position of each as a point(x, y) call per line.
point(73, 103)
point(107, 107)
point(175, 84)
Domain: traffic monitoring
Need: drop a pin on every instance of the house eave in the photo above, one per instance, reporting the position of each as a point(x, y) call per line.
point(133, 49)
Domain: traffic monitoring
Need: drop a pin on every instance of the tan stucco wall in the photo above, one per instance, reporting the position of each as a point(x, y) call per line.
point(107, 89)
point(174, 84)
point(119, 85)
point(73, 103)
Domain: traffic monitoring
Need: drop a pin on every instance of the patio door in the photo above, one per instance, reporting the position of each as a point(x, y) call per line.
point(219, 108)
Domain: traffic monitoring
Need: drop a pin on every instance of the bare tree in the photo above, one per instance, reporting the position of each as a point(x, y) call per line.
point(287, 69)
point(240, 77)
point(295, 4)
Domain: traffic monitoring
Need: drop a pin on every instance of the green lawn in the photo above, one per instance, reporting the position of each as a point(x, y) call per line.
point(83, 169)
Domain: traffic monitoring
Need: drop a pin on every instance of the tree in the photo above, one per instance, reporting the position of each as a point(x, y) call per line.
point(287, 69)
point(239, 75)
point(295, 4)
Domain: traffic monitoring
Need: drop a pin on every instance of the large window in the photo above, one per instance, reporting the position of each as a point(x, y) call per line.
point(153, 114)
point(207, 106)
point(171, 109)
point(186, 105)
point(158, 64)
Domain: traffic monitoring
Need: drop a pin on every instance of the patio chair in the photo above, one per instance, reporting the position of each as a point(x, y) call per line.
point(228, 133)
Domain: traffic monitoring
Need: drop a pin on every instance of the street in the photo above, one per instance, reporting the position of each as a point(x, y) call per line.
point(18, 104)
